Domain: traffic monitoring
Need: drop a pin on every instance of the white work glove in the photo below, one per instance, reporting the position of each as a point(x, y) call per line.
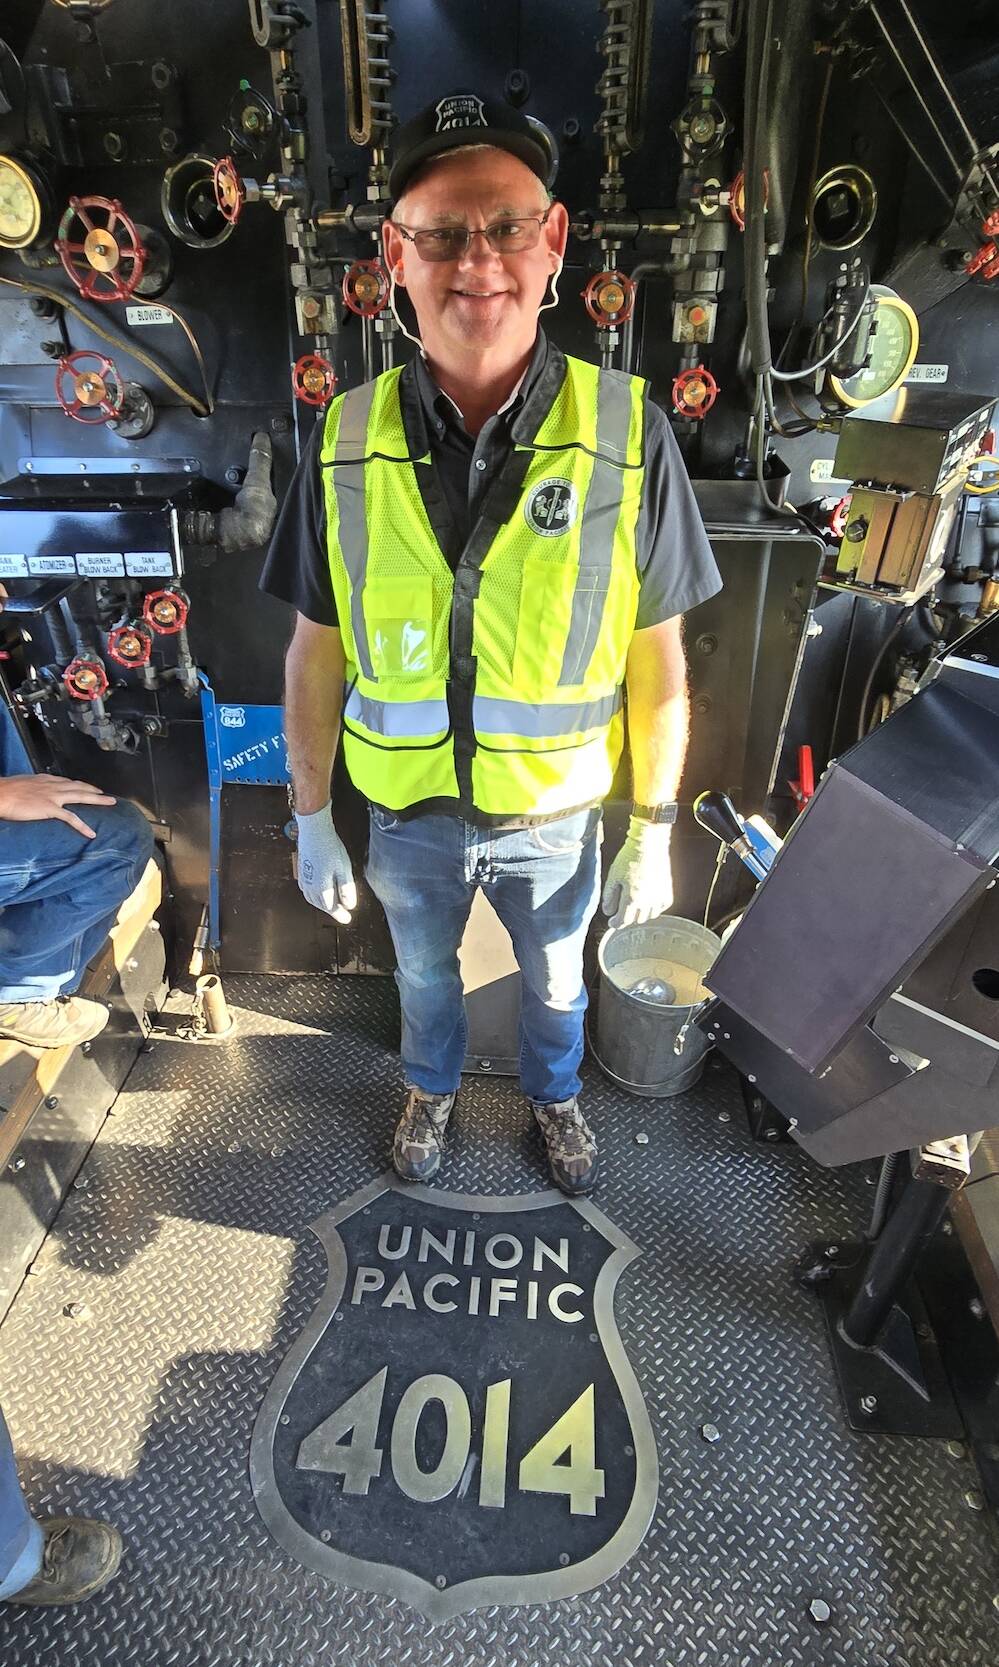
point(639, 883)
point(325, 878)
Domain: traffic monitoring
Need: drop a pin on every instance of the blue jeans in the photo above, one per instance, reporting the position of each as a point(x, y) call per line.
point(21, 1539)
point(544, 884)
point(60, 892)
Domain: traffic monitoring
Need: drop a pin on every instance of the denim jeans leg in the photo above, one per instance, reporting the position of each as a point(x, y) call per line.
point(416, 869)
point(14, 760)
point(545, 891)
point(21, 1538)
point(60, 893)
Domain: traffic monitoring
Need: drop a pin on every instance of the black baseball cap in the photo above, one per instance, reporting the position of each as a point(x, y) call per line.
point(463, 118)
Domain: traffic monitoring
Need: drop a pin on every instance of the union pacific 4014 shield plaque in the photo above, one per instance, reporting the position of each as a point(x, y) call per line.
point(458, 1424)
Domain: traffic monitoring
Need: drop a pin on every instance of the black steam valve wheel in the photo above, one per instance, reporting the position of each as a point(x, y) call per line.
point(89, 387)
point(85, 679)
point(609, 298)
point(694, 392)
point(131, 643)
point(166, 611)
point(313, 379)
point(230, 191)
point(366, 288)
point(100, 247)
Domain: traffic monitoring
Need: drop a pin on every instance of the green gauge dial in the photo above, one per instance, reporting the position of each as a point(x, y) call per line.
point(894, 345)
point(20, 205)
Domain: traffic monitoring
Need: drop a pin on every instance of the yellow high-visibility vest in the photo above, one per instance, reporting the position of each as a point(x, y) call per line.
point(498, 686)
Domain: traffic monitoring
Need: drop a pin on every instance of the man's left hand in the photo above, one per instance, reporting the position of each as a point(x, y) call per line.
point(639, 884)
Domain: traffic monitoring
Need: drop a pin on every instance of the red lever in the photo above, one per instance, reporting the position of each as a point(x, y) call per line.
point(804, 788)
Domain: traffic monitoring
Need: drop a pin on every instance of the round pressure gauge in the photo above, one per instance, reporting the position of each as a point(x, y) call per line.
point(894, 345)
point(20, 204)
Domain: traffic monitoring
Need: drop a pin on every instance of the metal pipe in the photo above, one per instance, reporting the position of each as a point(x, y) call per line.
point(903, 66)
point(882, 1197)
point(210, 1000)
point(945, 85)
point(907, 1232)
point(948, 196)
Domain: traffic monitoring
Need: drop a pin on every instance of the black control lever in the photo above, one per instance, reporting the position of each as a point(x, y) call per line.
point(717, 815)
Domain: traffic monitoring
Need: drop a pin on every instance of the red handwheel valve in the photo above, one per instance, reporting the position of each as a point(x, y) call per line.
point(85, 679)
point(89, 387)
point(609, 298)
point(166, 611)
point(366, 288)
point(313, 379)
point(230, 192)
point(694, 392)
point(100, 247)
point(131, 644)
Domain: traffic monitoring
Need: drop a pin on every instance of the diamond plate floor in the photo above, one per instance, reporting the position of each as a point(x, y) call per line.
point(186, 1242)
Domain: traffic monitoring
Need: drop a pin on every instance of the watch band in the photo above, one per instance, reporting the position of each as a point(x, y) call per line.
point(656, 813)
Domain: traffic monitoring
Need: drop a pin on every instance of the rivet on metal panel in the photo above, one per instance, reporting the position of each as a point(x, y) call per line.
point(641, 1140)
point(820, 1611)
point(724, 1117)
point(76, 1311)
point(974, 1500)
point(710, 1433)
point(563, 1558)
point(51, 1101)
point(868, 1405)
point(956, 1449)
point(440, 1580)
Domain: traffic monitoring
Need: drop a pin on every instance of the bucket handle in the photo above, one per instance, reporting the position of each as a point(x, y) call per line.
point(644, 1087)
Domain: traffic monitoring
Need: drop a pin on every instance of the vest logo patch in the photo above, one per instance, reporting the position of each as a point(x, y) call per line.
point(460, 110)
point(552, 507)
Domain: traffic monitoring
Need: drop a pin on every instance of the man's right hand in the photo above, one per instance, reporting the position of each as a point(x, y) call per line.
point(325, 878)
point(44, 799)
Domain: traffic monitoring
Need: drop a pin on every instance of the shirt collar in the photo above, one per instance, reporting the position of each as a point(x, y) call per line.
point(439, 406)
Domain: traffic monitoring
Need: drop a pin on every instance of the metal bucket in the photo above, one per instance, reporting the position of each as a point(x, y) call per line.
point(637, 1036)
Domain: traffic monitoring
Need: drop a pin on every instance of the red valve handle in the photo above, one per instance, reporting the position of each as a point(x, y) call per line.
point(166, 611)
point(366, 288)
point(737, 197)
point(131, 644)
point(100, 247)
point(609, 298)
point(95, 387)
point(85, 679)
point(313, 379)
point(230, 192)
point(839, 516)
point(694, 392)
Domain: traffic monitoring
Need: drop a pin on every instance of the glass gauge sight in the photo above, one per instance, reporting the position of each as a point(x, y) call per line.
point(894, 345)
point(21, 206)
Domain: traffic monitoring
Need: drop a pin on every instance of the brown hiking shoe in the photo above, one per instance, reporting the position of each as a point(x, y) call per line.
point(80, 1556)
point(61, 1023)
point(572, 1150)
point(419, 1137)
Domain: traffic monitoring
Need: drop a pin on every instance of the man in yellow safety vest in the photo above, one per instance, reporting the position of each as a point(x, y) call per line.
point(487, 550)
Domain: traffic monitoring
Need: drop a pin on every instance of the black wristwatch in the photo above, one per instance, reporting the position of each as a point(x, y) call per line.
point(656, 813)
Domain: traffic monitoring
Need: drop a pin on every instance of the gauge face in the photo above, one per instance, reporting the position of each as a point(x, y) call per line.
point(20, 205)
point(894, 345)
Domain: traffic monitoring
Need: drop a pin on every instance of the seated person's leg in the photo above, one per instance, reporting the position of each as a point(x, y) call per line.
point(59, 895)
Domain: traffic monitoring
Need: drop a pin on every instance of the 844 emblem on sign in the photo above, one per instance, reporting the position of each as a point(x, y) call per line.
point(470, 1430)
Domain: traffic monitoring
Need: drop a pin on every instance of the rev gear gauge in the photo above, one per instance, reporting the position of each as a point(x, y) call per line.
point(24, 203)
point(893, 349)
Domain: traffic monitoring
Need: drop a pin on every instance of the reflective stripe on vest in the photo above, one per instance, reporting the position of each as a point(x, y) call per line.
point(540, 614)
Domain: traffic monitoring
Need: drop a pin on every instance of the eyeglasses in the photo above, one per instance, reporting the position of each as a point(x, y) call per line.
point(504, 237)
